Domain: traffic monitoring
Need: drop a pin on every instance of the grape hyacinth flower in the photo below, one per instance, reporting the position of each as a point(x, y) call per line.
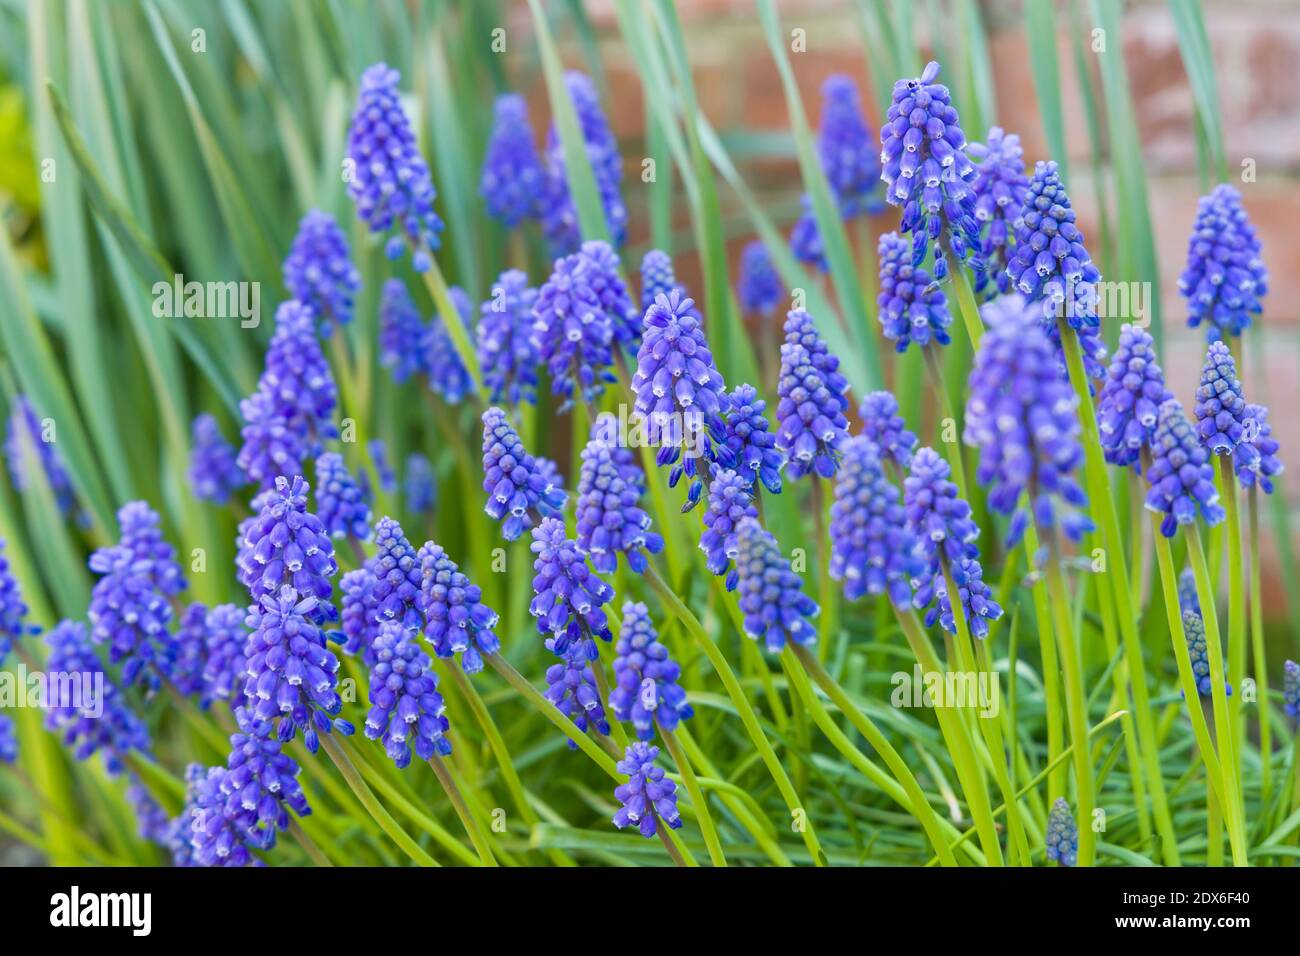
point(341, 504)
point(378, 452)
point(1263, 465)
point(1062, 835)
point(215, 839)
point(610, 519)
point(1050, 264)
point(927, 173)
point(646, 691)
point(513, 479)
point(189, 655)
point(260, 785)
point(448, 376)
point(506, 350)
point(27, 431)
point(358, 618)
point(116, 730)
point(657, 278)
point(680, 393)
point(750, 446)
point(396, 567)
point(811, 425)
point(772, 601)
point(559, 216)
point(287, 544)
point(1198, 652)
point(912, 306)
point(12, 608)
point(1220, 408)
point(151, 820)
point(401, 332)
point(390, 184)
point(1291, 690)
point(224, 664)
point(884, 426)
point(1181, 476)
point(318, 271)
point(130, 607)
point(872, 549)
point(1021, 417)
point(759, 287)
point(456, 621)
point(800, 328)
point(419, 484)
point(292, 675)
point(1188, 599)
point(1131, 398)
point(846, 147)
point(649, 797)
point(568, 597)
point(512, 179)
point(8, 739)
point(214, 472)
point(942, 523)
point(806, 238)
point(405, 704)
point(1225, 278)
point(571, 687)
point(272, 444)
point(730, 501)
point(612, 293)
point(574, 334)
point(1000, 189)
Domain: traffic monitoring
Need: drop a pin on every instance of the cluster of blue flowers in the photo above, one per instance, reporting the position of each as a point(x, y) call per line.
point(214, 472)
point(648, 798)
point(1181, 476)
point(750, 446)
point(759, 286)
point(1131, 399)
point(610, 519)
point(912, 306)
point(516, 483)
point(512, 180)
point(1198, 652)
point(847, 151)
point(342, 504)
point(575, 336)
point(806, 238)
point(318, 271)
point(13, 627)
point(1220, 406)
point(811, 425)
point(456, 621)
point(507, 352)
point(1000, 190)
point(730, 501)
point(884, 426)
point(646, 692)
point(405, 704)
point(1225, 279)
point(1261, 467)
point(772, 601)
point(1062, 836)
point(30, 435)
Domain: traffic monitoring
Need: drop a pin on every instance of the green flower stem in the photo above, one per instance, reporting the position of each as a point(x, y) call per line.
point(698, 800)
point(743, 708)
point(955, 731)
point(970, 313)
point(373, 806)
point(1056, 780)
point(828, 620)
point(476, 837)
point(1137, 537)
point(1127, 611)
point(308, 845)
point(1236, 608)
point(1232, 809)
point(901, 786)
point(1075, 700)
point(739, 802)
point(437, 286)
point(1213, 827)
point(1258, 646)
point(1001, 766)
point(602, 687)
point(552, 713)
point(498, 745)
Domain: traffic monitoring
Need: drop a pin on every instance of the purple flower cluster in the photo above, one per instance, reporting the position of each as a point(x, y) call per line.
point(1262, 466)
point(419, 484)
point(611, 292)
point(873, 551)
point(8, 739)
point(1020, 414)
point(1221, 414)
point(401, 332)
point(214, 472)
point(806, 238)
point(448, 376)
point(1050, 264)
point(750, 446)
point(811, 425)
point(390, 184)
point(1225, 278)
point(1291, 690)
point(559, 217)
point(224, 666)
point(610, 519)
point(318, 271)
point(515, 482)
point(287, 544)
point(646, 691)
point(568, 597)
point(512, 179)
point(506, 350)
point(378, 452)
point(846, 147)
point(12, 608)
point(343, 506)
point(189, 654)
point(207, 836)
point(456, 619)
point(571, 687)
point(759, 287)
point(28, 434)
point(405, 705)
point(116, 730)
point(730, 501)
point(1198, 652)
point(1131, 398)
point(772, 601)
point(1181, 476)
point(575, 336)
point(130, 607)
point(884, 426)
point(1000, 190)
point(292, 675)
point(657, 278)
point(912, 306)
point(649, 797)
point(927, 173)
point(1062, 837)
point(396, 567)
point(260, 784)
point(680, 392)
point(358, 617)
